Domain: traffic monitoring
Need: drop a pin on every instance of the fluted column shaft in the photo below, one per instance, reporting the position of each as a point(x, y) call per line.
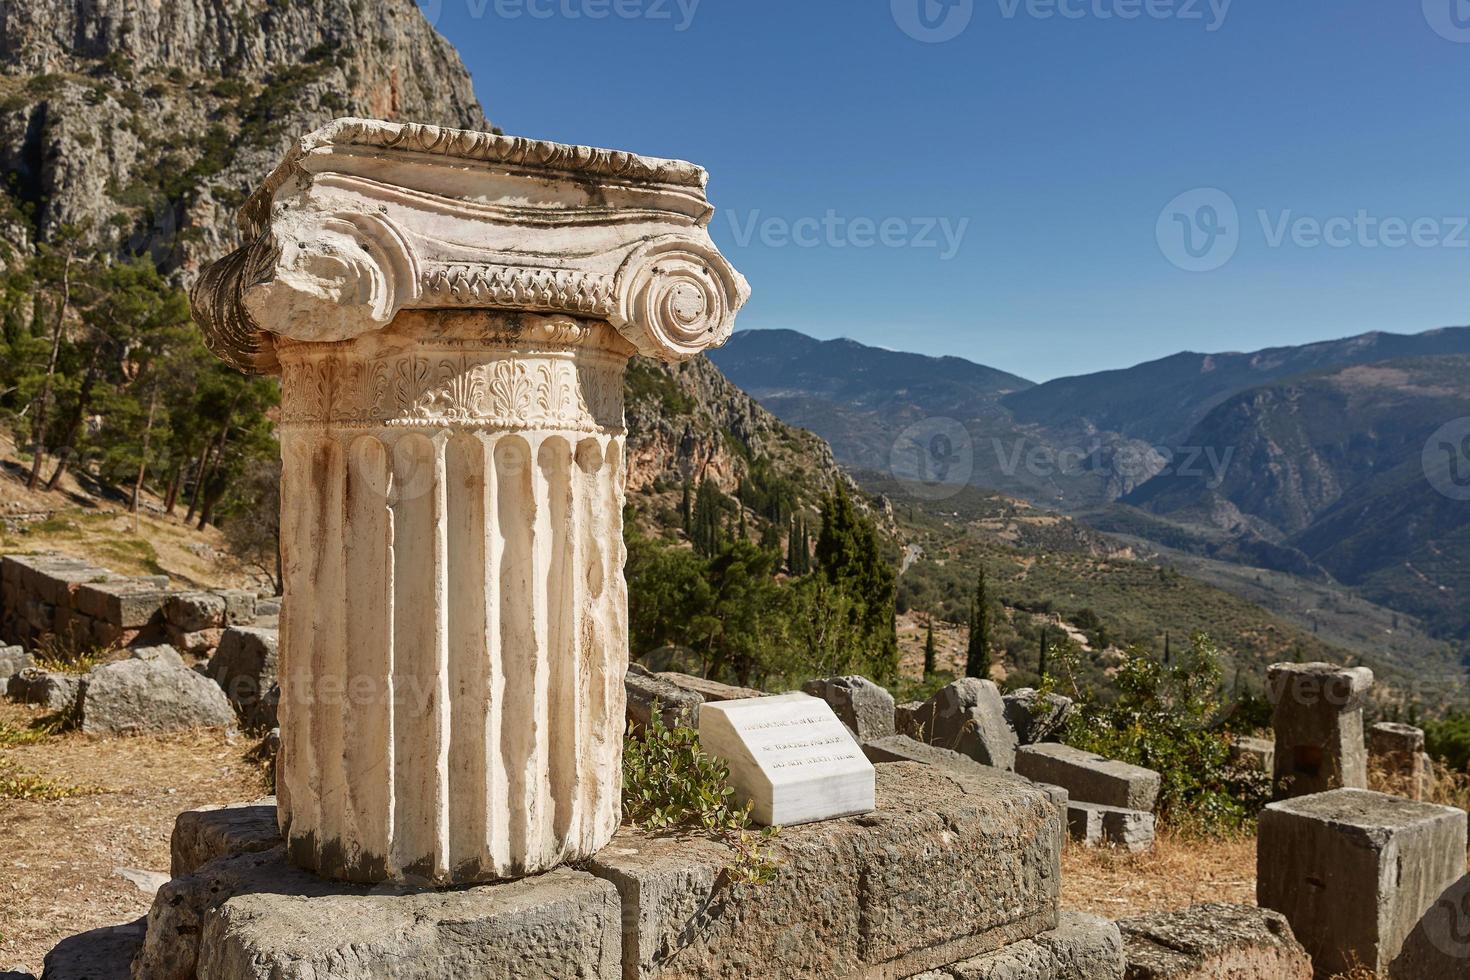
point(454, 634)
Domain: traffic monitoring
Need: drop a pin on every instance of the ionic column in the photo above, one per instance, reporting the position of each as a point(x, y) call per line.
point(451, 315)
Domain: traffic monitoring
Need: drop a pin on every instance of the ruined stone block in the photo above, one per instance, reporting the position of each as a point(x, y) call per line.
point(1210, 942)
point(1317, 716)
point(127, 604)
point(1398, 751)
point(255, 917)
point(902, 748)
point(864, 707)
point(1081, 947)
point(1254, 754)
point(52, 690)
point(1354, 871)
point(968, 716)
point(676, 705)
point(1439, 946)
point(210, 833)
point(1088, 777)
point(1094, 825)
point(1036, 717)
point(245, 665)
point(708, 689)
point(856, 896)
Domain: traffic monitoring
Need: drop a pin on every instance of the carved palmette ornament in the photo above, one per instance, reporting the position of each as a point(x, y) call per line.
point(367, 219)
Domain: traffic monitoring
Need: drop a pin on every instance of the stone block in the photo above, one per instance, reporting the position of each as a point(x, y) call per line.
point(240, 606)
point(902, 748)
point(208, 834)
point(864, 707)
point(200, 643)
point(161, 654)
point(1094, 825)
point(1354, 871)
point(190, 612)
point(1035, 717)
point(968, 716)
point(1398, 752)
point(1210, 942)
point(1317, 716)
point(1253, 754)
point(127, 604)
point(856, 896)
point(245, 666)
point(13, 660)
point(1439, 946)
point(1081, 947)
point(708, 689)
point(133, 697)
point(52, 690)
point(268, 607)
point(905, 719)
point(255, 917)
point(1090, 778)
point(101, 954)
point(676, 705)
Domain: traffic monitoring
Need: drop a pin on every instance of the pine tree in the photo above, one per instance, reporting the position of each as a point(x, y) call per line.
point(929, 655)
point(977, 656)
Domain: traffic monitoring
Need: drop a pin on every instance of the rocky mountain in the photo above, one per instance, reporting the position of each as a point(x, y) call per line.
point(1332, 467)
point(145, 124)
point(1160, 401)
point(1303, 460)
point(880, 409)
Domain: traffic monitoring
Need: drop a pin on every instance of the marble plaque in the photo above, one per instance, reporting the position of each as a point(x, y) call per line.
point(790, 757)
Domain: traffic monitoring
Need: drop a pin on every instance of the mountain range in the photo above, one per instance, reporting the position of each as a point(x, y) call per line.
point(1309, 460)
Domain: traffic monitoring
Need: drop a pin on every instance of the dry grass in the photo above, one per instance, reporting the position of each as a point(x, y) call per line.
point(57, 868)
point(1179, 872)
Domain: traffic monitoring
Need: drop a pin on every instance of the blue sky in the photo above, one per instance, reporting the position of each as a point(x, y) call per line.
point(1020, 192)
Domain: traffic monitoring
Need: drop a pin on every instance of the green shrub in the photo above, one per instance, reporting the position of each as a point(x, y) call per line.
point(1449, 739)
point(1164, 718)
point(669, 783)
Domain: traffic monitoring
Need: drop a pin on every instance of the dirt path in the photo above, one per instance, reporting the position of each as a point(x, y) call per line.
point(58, 859)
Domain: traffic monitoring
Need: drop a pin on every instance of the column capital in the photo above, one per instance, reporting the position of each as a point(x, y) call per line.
point(364, 219)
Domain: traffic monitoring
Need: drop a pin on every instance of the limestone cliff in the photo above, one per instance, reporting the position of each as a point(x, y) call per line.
point(146, 122)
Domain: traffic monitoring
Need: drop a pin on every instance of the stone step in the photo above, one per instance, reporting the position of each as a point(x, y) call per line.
point(1090, 778)
point(854, 897)
point(1095, 826)
point(1207, 942)
point(1081, 947)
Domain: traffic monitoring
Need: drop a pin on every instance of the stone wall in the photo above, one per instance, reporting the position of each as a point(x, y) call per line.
point(84, 606)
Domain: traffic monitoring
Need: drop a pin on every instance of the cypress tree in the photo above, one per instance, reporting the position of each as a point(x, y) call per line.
point(929, 657)
point(1041, 660)
point(977, 655)
point(686, 509)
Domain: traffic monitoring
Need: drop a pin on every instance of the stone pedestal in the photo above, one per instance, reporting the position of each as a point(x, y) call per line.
point(1398, 750)
point(451, 314)
point(1317, 715)
point(1354, 872)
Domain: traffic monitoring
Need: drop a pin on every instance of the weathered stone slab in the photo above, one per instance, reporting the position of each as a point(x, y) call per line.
point(854, 897)
point(52, 690)
point(254, 917)
point(1355, 871)
point(1398, 751)
point(676, 705)
point(864, 707)
point(1081, 947)
point(1317, 716)
point(789, 757)
point(245, 666)
point(240, 606)
point(208, 834)
point(1254, 754)
point(194, 611)
point(1095, 825)
point(902, 748)
point(968, 716)
point(1439, 946)
point(161, 654)
point(1210, 942)
point(708, 689)
point(102, 954)
point(1090, 778)
point(1037, 717)
point(128, 603)
point(136, 696)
